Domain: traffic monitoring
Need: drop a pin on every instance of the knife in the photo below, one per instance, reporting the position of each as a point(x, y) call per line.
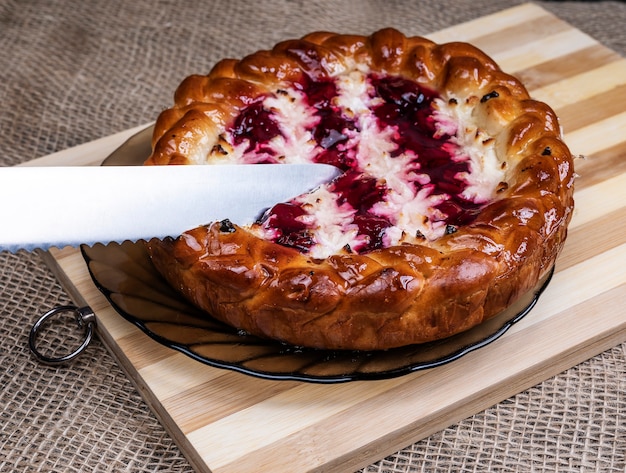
point(44, 207)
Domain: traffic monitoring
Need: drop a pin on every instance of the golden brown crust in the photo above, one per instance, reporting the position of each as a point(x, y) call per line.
point(390, 297)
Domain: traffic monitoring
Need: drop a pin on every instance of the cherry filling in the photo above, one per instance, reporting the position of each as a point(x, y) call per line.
point(358, 190)
point(398, 104)
point(331, 131)
point(292, 231)
point(255, 125)
point(408, 107)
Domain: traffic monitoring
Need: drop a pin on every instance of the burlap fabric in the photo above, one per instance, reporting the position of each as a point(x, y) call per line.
point(74, 71)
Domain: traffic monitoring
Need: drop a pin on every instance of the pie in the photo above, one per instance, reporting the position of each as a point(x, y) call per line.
point(454, 200)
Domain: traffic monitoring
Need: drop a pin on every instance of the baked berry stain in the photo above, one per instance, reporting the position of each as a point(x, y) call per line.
point(450, 229)
point(226, 226)
point(491, 95)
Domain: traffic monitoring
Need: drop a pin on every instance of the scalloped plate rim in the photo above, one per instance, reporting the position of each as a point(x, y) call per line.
point(326, 379)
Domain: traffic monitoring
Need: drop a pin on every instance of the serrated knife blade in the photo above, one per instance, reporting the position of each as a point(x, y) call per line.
point(59, 206)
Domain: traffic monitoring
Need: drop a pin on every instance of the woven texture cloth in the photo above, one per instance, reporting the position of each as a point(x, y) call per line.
point(74, 71)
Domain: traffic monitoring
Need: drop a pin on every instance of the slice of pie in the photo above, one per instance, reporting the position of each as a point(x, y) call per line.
point(454, 201)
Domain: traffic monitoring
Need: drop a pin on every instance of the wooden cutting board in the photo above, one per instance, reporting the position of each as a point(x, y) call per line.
point(227, 422)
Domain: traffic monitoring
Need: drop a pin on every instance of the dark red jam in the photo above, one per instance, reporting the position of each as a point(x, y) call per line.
point(360, 191)
point(407, 108)
point(255, 124)
point(284, 216)
point(330, 132)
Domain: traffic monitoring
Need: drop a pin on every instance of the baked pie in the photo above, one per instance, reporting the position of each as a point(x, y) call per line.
point(454, 200)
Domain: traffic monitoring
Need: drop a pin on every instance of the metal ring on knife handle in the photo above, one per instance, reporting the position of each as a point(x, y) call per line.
point(85, 318)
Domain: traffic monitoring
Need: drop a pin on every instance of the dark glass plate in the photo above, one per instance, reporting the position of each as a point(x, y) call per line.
point(125, 275)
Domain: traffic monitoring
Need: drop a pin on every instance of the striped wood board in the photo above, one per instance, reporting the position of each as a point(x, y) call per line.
point(227, 422)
